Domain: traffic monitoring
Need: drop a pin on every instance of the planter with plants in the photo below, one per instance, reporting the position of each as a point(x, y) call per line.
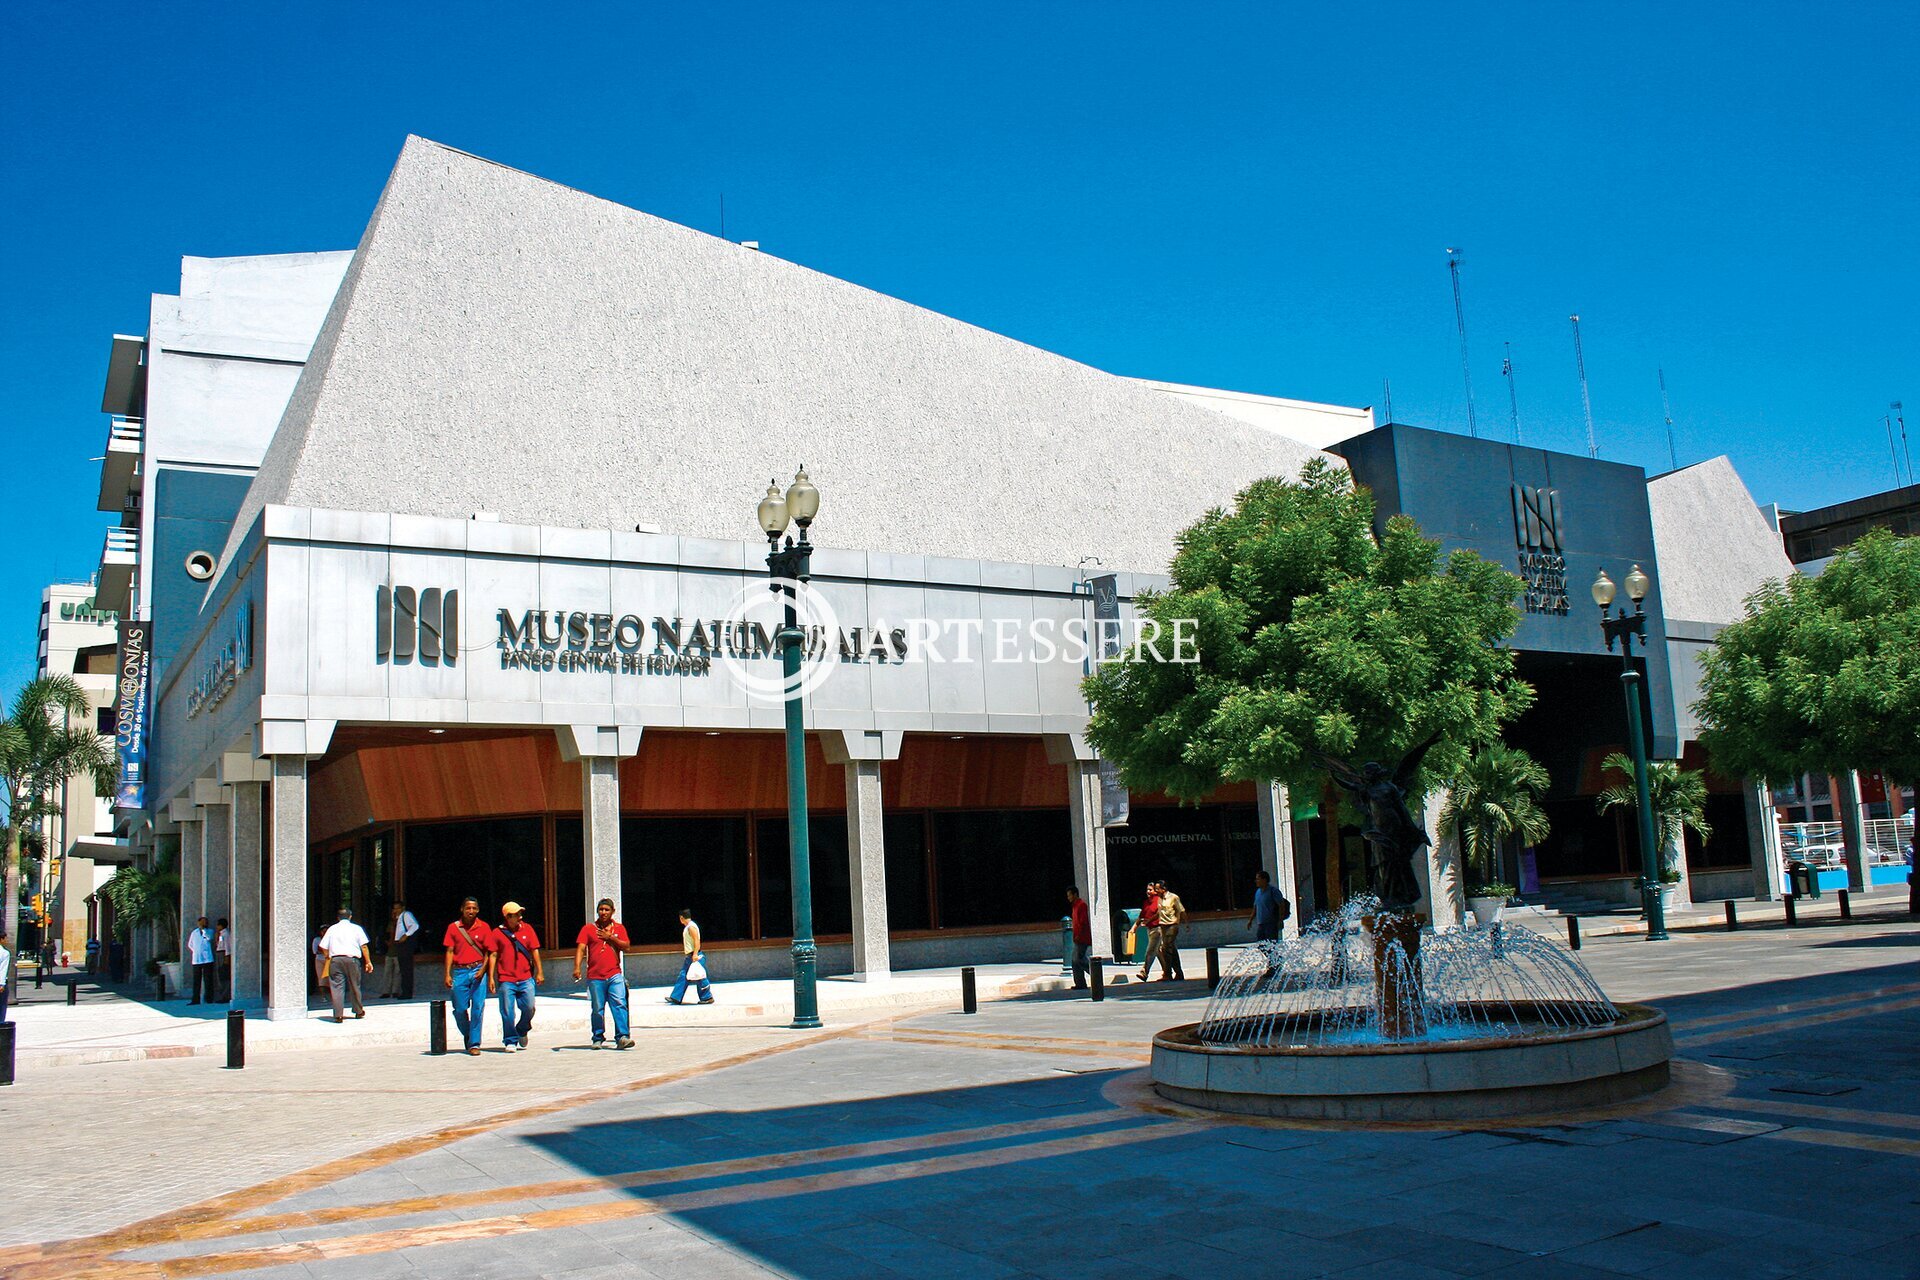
point(1679, 802)
point(1488, 902)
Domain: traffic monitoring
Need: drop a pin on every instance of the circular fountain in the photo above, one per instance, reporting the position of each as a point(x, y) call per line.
point(1368, 1016)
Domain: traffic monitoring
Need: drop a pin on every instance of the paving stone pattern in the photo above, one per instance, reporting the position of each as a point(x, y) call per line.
point(1019, 1142)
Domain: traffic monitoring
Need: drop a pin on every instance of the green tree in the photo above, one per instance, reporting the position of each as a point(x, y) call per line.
point(148, 895)
point(1308, 634)
point(39, 751)
point(1677, 796)
point(1822, 675)
point(1493, 798)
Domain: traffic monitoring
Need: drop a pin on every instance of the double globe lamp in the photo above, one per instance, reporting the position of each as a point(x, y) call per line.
point(1624, 627)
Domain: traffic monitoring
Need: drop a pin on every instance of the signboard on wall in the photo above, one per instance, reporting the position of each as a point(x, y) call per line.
point(131, 713)
point(1115, 802)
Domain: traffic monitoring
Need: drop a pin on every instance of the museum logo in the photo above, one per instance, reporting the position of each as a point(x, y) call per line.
point(416, 626)
point(1543, 561)
point(222, 671)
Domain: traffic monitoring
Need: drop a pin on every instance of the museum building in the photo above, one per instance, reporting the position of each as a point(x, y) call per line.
point(443, 549)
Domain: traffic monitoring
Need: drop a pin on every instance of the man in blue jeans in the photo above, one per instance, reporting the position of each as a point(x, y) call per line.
point(469, 972)
point(517, 969)
point(599, 948)
point(690, 955)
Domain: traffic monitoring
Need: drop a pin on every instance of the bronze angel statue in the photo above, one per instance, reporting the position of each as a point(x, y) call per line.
point(1394, 834)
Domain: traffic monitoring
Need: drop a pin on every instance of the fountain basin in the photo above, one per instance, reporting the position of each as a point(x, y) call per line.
point(1535, 1065)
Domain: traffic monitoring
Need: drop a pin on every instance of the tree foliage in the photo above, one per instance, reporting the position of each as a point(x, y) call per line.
point(1822, 675)
point(1311, 636)
point(1495, 796)
point(147, 896)
point(39, 751)
point(1678, 798)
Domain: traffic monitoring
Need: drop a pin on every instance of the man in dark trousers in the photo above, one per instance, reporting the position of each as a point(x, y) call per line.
point(200, 956)
point(406, 941)
point(1270, 909)
point(1082, 933)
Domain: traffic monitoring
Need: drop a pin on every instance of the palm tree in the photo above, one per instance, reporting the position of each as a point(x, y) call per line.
point(40, 749)
point(1678, 799)
point(1495, 797)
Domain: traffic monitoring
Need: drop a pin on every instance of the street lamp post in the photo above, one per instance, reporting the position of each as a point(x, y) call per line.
point(1624, 628)
point(787, 566)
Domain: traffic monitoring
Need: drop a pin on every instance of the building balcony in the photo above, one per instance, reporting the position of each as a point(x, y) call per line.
point(113, 590)
point(120, 469)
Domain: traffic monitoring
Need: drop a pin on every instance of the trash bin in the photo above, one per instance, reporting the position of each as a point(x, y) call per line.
point(1803, 880)
point(1128, 947)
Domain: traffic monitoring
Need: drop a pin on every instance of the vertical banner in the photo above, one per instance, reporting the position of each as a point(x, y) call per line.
point(130, 713)
point(1115, 803)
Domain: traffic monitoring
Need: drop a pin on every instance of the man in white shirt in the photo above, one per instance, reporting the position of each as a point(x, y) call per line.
point(349, 954)
point(406, 940)
point(200, 956)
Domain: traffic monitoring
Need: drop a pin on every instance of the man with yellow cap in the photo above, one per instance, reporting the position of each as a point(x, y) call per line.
point(516, 968)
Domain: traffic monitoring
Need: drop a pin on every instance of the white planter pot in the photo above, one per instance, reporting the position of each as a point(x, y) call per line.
point(1487, 911)
point(171, 968)
point(1666, 897)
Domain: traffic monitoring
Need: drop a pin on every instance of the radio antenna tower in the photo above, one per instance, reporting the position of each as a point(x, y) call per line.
point(1460, 321)
point(1586, 401)
point(1667, 410)
point(1900, 417)
point(1513, 394)
point(1389, 393)
point(1886, 420)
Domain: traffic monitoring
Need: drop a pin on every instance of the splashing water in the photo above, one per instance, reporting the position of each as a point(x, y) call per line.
point(1321, 988)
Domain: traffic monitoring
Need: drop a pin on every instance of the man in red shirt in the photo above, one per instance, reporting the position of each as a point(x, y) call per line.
point(469, 971)
point(1148, 926)
point(516, 971)
point(1082, 933)
point(600, 947)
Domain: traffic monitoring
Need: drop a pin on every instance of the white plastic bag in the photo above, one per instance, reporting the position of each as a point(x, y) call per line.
point(696, 972)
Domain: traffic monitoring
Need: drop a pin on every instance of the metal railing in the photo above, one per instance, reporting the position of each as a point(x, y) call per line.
point(121, 541)
point(1822, 844)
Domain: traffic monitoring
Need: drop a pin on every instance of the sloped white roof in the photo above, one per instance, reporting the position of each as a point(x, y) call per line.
point(1715, 547)
point(501, 343)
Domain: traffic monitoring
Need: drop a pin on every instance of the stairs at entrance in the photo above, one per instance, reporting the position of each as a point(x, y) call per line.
point(1573, 900)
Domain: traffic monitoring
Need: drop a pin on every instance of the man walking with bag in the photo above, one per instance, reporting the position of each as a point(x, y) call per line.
point(1270, 909)
point(469, 972)
point(349, 954)
point(1173, 913)
point(693, 963)
point(600, 948)
point(1147, 931)
point(516, 966)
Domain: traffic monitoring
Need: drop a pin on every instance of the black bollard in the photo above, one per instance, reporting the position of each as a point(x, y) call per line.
point(1213, 967)
point(160, 986)
point(1791, 902)
point(236, 1039)
point(73, 991)
point(1733, 917)
point(437, 1027)
point(969, 998)
point(1099, 979)
point(1846, 905)
point(6, 1053)
point(40, 975)
point(1573, 933)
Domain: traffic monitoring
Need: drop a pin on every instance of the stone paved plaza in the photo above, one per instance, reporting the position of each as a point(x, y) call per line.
point(1016, 1142)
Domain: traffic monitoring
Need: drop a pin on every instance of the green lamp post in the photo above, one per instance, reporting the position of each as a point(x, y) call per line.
point(1624, 627)
point(787, 566)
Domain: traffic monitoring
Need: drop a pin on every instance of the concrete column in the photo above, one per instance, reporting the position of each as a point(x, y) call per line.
point(1442, 890)
point(1306, 903)
point(287, 944)
point(249, 969)
point(1277, 857)
point(193, 888)
point(867, 871)
point(1853, 830)
point(1763, 844)
point(1090, 850)
point(600, 829)
point(216, 858)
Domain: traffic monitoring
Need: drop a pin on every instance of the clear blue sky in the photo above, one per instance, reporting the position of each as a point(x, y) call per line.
point(1256, 196)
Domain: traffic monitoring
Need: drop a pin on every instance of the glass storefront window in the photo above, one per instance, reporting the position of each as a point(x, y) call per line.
point(832, 886)
point(495, 860)
point(1009, 866)
point(670, 863)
